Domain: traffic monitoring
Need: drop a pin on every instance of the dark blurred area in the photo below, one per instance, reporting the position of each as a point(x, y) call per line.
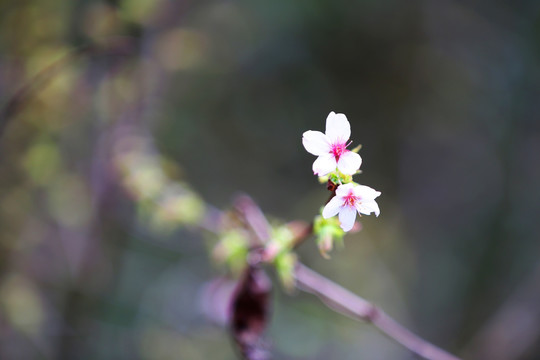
point(443, 96)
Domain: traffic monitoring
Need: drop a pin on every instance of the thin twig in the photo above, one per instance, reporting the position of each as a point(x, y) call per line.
point(344, 301)
point(253, 217)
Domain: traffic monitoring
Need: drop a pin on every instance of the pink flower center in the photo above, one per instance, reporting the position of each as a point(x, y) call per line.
point(350, 200)
point(338, 149)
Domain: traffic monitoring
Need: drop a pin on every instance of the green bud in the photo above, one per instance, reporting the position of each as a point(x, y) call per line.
point(327, 232)
point(281, 241)
point(357, 149)
point(232, 250)
point(338, 178)
point(285, 264)
point(323, 179)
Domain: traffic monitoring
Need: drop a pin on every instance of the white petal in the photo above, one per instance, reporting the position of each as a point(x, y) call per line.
point(366, 193)
point(349, 162)
point(338, 127)
point(368, 207)
point(347, 215)
point(344, 190)
point(324, 164)
point(333, 207)
point(316, 142)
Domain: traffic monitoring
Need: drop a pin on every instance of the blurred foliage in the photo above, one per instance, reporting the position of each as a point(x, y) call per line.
point(114, 107)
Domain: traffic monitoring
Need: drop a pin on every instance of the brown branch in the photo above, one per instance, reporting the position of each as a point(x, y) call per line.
point(344, 301)
point(339, 298)
point(253, 217)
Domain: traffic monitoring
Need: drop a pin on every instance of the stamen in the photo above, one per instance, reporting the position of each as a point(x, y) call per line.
point(350, 200)
point(338, 149)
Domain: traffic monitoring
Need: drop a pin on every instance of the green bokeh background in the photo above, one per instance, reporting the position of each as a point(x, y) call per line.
point(443, 96)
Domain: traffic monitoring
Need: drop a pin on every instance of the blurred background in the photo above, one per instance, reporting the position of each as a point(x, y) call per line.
point(110, 106)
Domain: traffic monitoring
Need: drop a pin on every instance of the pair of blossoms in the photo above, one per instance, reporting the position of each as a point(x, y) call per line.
point(331, 149)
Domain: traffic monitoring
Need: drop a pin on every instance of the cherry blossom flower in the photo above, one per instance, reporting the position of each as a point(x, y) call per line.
point(331, 148)
point(349, 199)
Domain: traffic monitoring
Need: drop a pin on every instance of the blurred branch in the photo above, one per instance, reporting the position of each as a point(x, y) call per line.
point(253, 217)
point(341, 299)
point(116, 46)
point(345, 302)
point(514, 328)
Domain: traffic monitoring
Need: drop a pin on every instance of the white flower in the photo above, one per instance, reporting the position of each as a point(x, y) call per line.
point(349, 199)
point(331, 148)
